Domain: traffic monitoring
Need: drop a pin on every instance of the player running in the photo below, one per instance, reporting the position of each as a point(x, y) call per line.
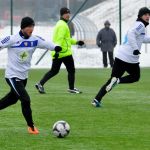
point(20, 50)
point(63, 38)
point(127, 56)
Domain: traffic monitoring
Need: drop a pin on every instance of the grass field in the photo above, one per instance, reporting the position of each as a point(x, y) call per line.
point(123, 123)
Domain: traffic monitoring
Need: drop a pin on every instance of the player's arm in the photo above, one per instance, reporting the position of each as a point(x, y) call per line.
point(47, 45)
point(73, 41)
point(8, 41)
point(131, 35)
point(137, 30)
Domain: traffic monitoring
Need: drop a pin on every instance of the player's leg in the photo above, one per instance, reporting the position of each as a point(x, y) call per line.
point(17, 87)
point(117, 71)
point(105, 59)
point(134, 74)
point(25, 103)
point(54, 70)
point(9, 99)
point(69, 63)
point(111, 58)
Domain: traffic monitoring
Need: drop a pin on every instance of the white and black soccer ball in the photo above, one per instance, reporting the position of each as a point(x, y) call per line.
point(61, 129)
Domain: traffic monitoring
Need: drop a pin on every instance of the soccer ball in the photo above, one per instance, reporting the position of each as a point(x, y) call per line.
point(61, 129)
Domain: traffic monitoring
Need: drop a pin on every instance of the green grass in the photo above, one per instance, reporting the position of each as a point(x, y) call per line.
point(123, 123)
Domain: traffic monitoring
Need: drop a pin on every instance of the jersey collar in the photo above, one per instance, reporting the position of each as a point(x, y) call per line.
point(23, 36)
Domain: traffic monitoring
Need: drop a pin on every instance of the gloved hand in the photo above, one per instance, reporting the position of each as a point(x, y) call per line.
point(80, 43)
point(57, 50)
point(136, 52)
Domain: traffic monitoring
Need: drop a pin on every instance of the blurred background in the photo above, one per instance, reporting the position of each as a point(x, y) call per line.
point(88, 21)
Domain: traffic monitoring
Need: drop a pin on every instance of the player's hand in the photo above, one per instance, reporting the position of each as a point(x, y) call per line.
point(57, 49)
point(80, 43)
point(136, 52)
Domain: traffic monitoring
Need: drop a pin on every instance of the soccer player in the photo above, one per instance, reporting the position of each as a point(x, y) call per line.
point(63, 38)
point(20, 49)
point(127, 56)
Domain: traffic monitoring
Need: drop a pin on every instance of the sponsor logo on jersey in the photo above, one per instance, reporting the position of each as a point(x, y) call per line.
point(32, 44)
point(26, 44)
point(24, 56)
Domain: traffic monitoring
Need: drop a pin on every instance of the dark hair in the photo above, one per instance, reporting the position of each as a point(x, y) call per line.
point(26, 21)
point(143, 11)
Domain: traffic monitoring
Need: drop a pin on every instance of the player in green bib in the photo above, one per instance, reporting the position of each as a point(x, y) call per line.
point(63, 38)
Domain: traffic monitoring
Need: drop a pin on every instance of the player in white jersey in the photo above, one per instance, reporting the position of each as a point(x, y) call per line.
point(127, 56)
point(20, 49)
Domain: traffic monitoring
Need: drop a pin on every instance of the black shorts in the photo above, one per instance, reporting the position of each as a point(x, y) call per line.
point(120, 67)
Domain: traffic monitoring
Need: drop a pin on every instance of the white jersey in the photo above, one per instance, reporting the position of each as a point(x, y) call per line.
point(133, 41)
point(20, 53)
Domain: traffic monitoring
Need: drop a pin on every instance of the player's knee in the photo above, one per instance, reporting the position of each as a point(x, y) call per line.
point(55, 72)
point(14, 101)
point(52, 72)
point(25, 103)
point(25, 99)
point(72, 71)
